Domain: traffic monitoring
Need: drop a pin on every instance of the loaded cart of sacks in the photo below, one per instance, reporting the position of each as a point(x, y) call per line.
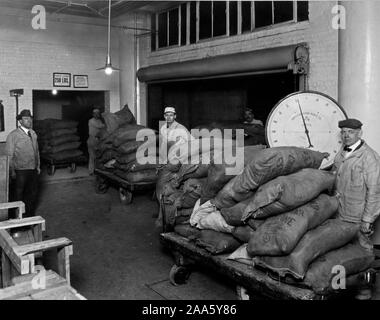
point(118, 160)
point(271, 227)
point(59, 144)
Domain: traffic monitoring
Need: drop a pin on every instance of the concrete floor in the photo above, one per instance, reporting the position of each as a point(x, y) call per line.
point(117, 254)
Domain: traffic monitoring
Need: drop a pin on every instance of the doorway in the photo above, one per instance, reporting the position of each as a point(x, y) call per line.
point(199, 102)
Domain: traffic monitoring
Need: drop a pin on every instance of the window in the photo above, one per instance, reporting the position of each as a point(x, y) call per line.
point(153, 34)
point(163, 29)
point(302, 10)
point(193, 22)
point(246, 16)
point(263, 13)
point(190, 22)
point(205, 16)
point(219, 18)
point(233, 17)
point(183, 23)
point(283, 11)
point(173, 27)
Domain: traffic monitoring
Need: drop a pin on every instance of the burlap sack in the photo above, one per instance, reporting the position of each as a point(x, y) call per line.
point(332, 234)
point(288, 192)
point(352, 257)
point(243, 233)
point(126, 158)
point(124, 133)
point(265, 166)
point(217, 175)
point(217, 242)
point(66, 155)
point(107, 156)
point(127, 133)
point(168, 209)
point(129, 147)
point(234, 215)
point(187, 231)
point(63, 139)
point(52, 124)
point(125, 116)
point(60, 132)
point(280, 234)
point(255, 223)
point(65, 146)
point(192, 189)
point(165, 180)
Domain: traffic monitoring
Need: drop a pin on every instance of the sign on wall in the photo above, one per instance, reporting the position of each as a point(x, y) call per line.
point(61, 79)
point(80, 81)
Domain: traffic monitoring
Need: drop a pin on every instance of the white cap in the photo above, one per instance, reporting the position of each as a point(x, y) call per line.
point(169, 109)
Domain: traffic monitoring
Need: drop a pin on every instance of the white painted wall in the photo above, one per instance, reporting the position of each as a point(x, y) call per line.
point(129, 60)
point(28, 57)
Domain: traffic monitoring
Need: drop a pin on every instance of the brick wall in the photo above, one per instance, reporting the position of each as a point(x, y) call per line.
point(318, 33)
point(28, 57)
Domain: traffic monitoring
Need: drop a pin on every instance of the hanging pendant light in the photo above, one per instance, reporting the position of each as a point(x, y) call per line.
point(108, 68)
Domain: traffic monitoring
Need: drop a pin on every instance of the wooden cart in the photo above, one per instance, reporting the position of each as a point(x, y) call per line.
point(70, 163)
point(251, 282)
point(126, 189)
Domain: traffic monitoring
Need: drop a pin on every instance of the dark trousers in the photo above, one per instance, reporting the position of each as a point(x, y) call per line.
point(26, 190)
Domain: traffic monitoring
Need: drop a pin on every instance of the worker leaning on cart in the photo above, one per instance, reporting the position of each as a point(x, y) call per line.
point(357, 168)
point(24, 165)
point(172, 132)
point(94, 125)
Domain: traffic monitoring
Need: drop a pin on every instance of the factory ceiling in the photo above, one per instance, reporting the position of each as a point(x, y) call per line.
point(87, 8)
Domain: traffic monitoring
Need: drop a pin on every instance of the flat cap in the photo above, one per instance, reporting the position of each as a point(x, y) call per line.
point(350, 123)
point(169, 109)
point(24, 113)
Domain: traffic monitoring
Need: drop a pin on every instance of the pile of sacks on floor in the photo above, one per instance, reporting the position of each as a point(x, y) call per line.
point(58, 139)
point(277, 215)
point(117, 148)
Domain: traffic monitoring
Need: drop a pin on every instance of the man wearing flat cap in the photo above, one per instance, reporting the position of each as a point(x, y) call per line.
point(22, 148)
point(357, 167)
point(172, 132)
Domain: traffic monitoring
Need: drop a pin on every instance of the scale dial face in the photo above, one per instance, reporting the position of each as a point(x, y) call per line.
point(306, 119)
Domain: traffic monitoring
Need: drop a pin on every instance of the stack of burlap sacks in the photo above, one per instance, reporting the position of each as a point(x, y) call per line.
point(117, 148)
point(58, 139)
point(184, 182)
point(278, 214)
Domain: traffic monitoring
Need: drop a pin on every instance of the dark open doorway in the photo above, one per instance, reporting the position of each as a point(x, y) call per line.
point(220, 99)
point(68, 105)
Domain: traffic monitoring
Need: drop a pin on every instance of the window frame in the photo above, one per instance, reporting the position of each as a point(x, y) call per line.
point(227, 30)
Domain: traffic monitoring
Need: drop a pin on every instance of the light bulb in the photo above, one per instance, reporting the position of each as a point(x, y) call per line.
point(108, 70)
point(54, 91)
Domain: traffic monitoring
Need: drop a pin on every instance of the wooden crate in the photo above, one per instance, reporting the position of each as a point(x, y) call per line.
point(53, 287)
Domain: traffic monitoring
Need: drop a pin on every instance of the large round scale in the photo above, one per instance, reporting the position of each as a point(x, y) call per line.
point(306, 119)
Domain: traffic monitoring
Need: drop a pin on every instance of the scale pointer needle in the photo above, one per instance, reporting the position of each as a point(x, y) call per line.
point(304, 123)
